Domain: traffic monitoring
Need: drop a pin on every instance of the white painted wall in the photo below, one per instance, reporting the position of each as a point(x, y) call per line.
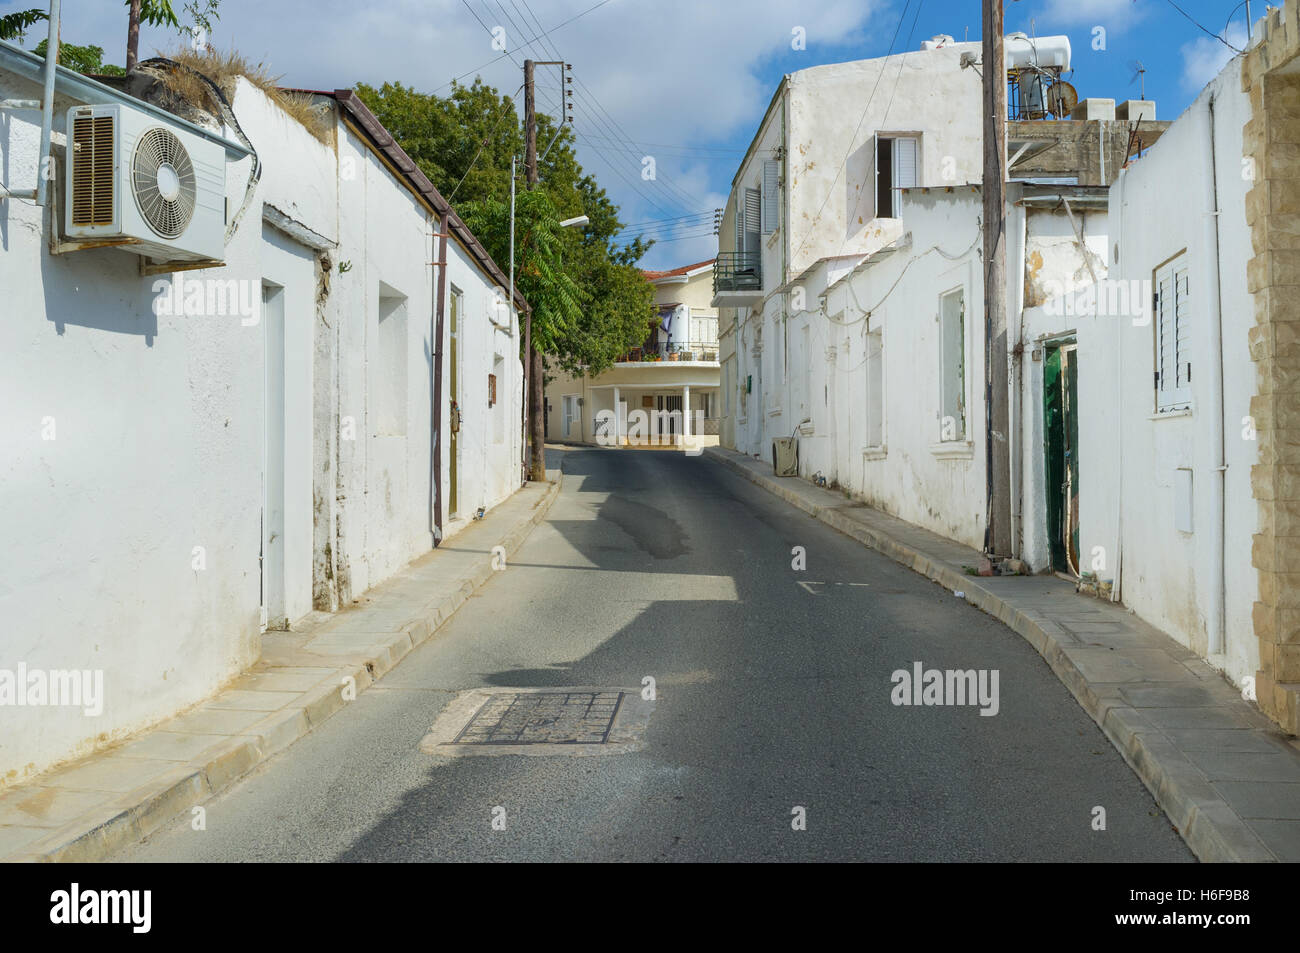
point(917, 476)
point(158, 425)
point(827, 211)
point(1159, 207)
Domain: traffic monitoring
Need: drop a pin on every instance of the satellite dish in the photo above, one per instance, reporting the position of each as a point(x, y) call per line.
point(1061, 99)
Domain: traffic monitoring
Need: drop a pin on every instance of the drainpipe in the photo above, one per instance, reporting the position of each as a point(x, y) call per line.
point(1218, 578)
point(1017, 399)
point(41, 192)
point(435, 350)
point(1101, 152)
point(1115, 199)
point(47, 109)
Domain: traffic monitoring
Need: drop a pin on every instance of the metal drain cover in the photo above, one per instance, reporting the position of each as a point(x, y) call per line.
point(540, 721)
point(539, 718)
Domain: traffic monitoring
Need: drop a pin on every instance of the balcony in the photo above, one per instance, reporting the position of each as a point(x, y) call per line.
point(737, 279)
point(699, 351)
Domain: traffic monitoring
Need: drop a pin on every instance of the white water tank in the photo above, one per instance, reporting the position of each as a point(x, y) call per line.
point(1022, 51)
point(937, 42)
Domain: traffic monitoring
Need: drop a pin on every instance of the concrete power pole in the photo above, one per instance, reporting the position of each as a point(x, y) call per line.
point(997, 531)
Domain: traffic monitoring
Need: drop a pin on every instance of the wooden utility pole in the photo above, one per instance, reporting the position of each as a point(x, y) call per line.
point(534, 381)
point(997, 531)
point(533, 376)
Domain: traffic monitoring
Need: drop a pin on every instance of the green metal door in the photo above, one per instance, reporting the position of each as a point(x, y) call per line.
point(1061, 436)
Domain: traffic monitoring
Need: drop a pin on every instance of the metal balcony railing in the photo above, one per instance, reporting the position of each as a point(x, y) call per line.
point(738, 271)
point(677, 351)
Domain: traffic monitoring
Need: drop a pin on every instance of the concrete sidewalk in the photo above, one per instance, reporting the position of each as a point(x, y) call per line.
point(87, 809)
point(1226, 776)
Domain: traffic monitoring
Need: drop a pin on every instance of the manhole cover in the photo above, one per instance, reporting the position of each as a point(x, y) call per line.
point(541, 718)
point(569, 721)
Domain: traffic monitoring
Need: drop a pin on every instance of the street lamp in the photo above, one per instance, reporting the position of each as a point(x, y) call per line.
point(575, 222)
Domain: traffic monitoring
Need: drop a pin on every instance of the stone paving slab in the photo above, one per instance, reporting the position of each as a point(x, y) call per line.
point(85, 810)
point(1228, 779)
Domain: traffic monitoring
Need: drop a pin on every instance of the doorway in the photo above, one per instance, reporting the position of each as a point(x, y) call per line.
point(271, 557)
point(453, 473)
point(670, 415)
point(1061, 442)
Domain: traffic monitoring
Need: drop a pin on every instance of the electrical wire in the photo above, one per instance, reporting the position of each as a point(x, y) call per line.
point(861, 119)
point(1204, 30)
point(510, 102)
point(526, 43)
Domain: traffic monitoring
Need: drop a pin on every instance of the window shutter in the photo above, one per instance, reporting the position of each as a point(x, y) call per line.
point(904, 164)
point(1173, 337)
point(770, 195)
point(740, 223)
point(753, 213)
point(1182, 337)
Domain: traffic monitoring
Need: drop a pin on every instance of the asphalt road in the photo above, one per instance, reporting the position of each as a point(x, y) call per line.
point(771, 696)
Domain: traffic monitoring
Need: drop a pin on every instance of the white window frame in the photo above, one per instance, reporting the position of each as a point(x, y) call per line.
point(895, 208)
point(944, 361)
point(1172, 324)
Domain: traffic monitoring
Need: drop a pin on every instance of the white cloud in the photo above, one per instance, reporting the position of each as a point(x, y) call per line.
point(675, 71)
point(1205, 57)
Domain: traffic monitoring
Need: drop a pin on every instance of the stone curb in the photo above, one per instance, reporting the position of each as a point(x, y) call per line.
point(141, 812)
point(1213, 831)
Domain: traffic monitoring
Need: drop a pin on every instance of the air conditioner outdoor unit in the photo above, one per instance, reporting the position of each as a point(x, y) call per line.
point(131, 176)
point(785, 456)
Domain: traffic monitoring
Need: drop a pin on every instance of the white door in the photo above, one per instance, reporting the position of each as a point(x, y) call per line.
point(273, 603)
point(570, 409)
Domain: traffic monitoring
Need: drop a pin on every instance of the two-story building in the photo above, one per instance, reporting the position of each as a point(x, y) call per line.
point(662, 394)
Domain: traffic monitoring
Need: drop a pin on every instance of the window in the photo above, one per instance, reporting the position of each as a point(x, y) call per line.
point(497, 406)
point(388, 383)
point(875, 390)
point(570, 407)
point(748, 223)
point(896, 165)
point(952, 359)
point(1173, 377)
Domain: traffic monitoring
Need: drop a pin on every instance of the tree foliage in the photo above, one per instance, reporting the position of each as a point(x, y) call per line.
point(14, 25)
point(83, 59)
point(540, 274)
point(463, 142)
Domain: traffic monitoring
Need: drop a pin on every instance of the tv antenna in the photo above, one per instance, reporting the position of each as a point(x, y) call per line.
point(1139, 77)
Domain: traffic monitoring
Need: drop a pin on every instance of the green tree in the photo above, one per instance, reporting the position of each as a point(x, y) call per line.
point(14, 25)
point(83, 59)
point(464, 142)
point(540, 274)
point(160, 13)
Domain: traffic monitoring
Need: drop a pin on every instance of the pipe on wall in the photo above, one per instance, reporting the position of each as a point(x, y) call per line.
point(435, 353)
point(1016, 426)
point(47, 108)
point(1218, 579)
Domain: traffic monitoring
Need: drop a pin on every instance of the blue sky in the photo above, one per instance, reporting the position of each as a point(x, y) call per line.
point(685, 81)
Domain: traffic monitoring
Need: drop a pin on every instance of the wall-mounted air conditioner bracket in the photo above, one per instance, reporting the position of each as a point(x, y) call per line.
point(150, 267)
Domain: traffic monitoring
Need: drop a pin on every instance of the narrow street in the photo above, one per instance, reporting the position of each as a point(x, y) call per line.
point(771, 696)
